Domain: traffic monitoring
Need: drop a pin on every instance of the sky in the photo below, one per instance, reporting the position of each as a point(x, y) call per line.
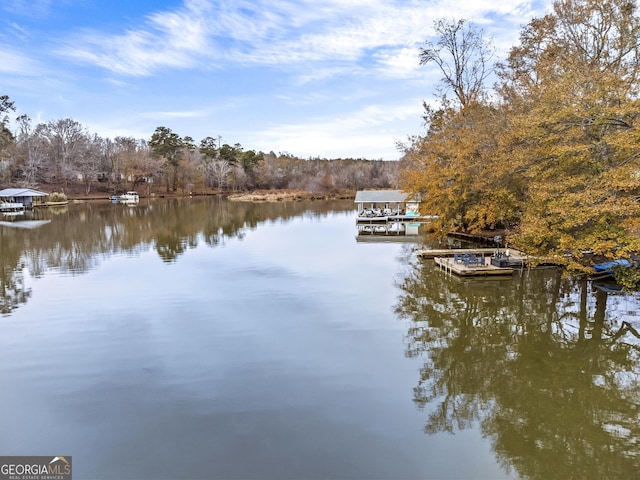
point(311, 78)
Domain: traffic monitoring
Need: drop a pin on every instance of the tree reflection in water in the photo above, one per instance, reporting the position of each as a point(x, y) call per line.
point(74, 240)
point(549, 368)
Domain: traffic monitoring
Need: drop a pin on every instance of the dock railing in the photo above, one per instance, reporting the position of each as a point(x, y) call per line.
point(11, 206)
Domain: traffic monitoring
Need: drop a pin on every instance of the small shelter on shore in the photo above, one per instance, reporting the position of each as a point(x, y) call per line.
point(14, 198)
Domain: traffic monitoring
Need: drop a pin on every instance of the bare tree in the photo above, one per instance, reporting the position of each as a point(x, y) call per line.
point(30, 150)
point(463, 57)
point(67, 141)
point(91, 161)
point(220, 169)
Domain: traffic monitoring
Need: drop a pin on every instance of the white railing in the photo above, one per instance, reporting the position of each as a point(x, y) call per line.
point(11, 206)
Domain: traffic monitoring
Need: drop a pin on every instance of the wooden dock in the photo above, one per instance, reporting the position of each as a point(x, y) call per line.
point(476, 270)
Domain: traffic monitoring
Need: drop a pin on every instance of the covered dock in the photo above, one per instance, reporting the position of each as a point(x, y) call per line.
point(388, 211)
point(17, 199)
point(383, 204)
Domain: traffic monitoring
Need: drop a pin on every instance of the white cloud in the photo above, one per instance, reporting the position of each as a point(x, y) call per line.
point(175, 114)
point(402, 62)
point(18, 31)
point(276, 33)
point(372, 131)
point(14, 62)
point(27, 8)
point(169, 39)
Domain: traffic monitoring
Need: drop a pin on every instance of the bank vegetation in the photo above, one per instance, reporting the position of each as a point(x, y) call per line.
point(550, 154)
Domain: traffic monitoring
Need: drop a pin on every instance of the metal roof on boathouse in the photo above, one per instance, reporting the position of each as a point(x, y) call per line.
point(383, 196)
point(21, 192)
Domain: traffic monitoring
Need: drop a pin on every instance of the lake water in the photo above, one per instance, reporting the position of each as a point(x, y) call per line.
point(204, 339)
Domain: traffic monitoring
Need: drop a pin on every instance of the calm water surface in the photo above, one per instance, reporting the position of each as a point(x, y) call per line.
point(202, 339)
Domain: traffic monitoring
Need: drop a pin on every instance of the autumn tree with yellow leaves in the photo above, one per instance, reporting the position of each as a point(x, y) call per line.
point(553, 153)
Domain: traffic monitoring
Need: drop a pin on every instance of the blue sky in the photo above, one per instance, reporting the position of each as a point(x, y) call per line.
point(326, 78)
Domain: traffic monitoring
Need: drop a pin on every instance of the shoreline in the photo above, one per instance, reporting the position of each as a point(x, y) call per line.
point(262, 196)
point(255, 196)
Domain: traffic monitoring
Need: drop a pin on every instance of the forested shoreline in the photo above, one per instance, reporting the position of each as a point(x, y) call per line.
point(63, 155)
point(551, 153)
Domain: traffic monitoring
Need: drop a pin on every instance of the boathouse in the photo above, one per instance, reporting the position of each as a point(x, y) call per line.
point(20, 198)
point(387, 212)
point(379, 203)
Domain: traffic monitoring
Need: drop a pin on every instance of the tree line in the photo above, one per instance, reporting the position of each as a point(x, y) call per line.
point(64, 154)
point(551, 152)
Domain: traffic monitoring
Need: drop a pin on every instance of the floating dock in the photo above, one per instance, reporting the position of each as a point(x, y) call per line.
point(476, 262)
point(483, 268)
